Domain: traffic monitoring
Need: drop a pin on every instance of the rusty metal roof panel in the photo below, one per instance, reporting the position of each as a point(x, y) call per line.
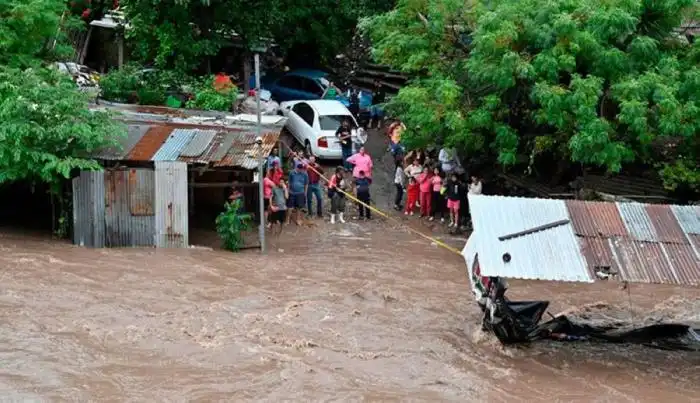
point(550, 254)
point(173, 145)
point(685, 262)
point(149, 143)
point(665, 223)
point(599, 254)
point(637, 221)
point(596, 218)
point(643, 262)
point(134, 133)
point(245, 153)
point(688, 218)
point(199, 143)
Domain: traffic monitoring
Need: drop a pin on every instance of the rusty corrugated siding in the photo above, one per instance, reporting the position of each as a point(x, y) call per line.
point(150, 143)
point(598, 254)
point(141, 192)
point(245, 153)
point(595, 218)
point(637, 222)
point(122, 228)
point(174, 144)
point(665, 223)
point(171, 218)
point(89, 209)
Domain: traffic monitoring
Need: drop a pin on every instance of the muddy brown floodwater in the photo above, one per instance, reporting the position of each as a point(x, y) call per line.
point(355, 312)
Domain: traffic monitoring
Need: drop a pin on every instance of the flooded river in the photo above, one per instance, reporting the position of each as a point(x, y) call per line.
point(338, 314)
point(333, 313)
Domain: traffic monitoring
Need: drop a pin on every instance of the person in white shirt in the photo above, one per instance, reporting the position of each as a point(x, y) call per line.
point(400, 183)
point(475, 186)
point(447, 160)
point(414, 170)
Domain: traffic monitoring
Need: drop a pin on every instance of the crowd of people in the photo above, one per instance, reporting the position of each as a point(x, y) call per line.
point(434, 188)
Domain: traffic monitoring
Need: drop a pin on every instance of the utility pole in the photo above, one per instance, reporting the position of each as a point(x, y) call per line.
point(261, 161)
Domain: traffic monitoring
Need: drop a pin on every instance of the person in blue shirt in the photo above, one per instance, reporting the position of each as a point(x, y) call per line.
point(362, 183)
point(298, 186)
point(272, 158)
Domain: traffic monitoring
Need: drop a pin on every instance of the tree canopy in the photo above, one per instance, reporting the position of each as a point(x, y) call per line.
point(180, 33)
point(588, 81)
point(46, 128)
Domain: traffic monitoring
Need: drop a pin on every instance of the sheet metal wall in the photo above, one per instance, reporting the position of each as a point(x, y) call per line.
point(89, 209)
point(171, 204)
point(128, 200)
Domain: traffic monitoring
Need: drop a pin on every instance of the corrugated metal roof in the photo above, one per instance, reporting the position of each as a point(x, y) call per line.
point(551, 254)
point(134, 133)
point(596, 218)
point(637, 221)
point(643, 243)
point(150, 143)
point(176, 142)
point(200, 141)
point(665, 223)
point(244, 151)
point(218, 152)
point(688, 217)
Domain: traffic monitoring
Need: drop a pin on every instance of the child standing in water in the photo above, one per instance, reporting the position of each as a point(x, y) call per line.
point(412, 194)
point(454, 195)
point(438, 202)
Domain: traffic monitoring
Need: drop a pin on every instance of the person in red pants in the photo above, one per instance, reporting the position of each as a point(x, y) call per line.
point(412, 193)
point(426, 194)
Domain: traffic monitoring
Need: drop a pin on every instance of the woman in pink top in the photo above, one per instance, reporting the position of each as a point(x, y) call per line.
point(438, 201)
point(426, 186)
point(362, 162)
point(268, 184)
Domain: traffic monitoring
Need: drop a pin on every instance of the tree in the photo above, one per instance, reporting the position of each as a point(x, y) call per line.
point(180, 34)
point(593, 82)
point(46, 128)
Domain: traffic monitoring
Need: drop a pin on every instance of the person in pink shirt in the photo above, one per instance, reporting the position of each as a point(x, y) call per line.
point(438, 201)
point(426, 191)
point(361, 162)
point(268, 184)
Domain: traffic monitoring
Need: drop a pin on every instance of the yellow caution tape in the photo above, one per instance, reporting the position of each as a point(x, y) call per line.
point(381, 213)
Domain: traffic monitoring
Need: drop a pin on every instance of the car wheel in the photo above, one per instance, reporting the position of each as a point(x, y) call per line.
point(307, 148)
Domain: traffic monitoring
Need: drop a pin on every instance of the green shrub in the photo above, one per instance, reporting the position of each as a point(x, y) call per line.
point(230, 225)
point(208, 98)
point(121, 85)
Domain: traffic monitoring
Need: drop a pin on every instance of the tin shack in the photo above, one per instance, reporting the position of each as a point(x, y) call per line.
point(173, 169)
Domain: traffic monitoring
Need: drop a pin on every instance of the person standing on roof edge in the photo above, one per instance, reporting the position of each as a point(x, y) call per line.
point(376, 113)
point(298, 187)
point(344, 135)
point(314, 170)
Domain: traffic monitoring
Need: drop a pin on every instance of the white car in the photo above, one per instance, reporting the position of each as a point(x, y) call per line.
point(314, 123)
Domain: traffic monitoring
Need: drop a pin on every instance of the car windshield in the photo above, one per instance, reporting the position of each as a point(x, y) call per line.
point(333, 122)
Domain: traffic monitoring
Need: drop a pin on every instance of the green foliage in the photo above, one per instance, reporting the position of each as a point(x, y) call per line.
point(180, 34)
point(207, 98)
point(231, 224)
point(133, 84)
point(46, 128)
point(121, 85)
point(29, 31)
point(595, 82)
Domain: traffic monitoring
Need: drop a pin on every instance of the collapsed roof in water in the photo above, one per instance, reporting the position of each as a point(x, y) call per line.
point(584, 241)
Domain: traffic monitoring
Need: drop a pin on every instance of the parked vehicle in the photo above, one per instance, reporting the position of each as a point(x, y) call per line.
point(305, 84)
point(314, 123)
